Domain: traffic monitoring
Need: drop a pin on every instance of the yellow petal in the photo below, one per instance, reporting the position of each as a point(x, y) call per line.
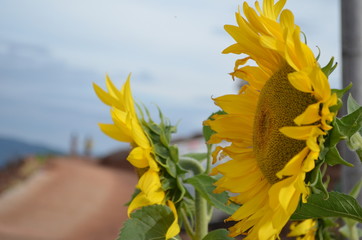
point(174, 229)
point(138, 134)
point(114, 132)
point(300, 81)
point(320, 84)
point(294, 165)
point(104, 96)
point(149, 182)
point(302, 228)
point(139, 201)
point(235, 48)
point(127, 97)
point(113, 91)
point(137, 158)
point(299, 133)
point(310, 115)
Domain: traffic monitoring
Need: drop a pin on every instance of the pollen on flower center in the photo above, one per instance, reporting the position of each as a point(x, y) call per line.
point(278, 105)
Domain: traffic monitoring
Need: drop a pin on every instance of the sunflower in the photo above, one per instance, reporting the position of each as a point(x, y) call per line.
point(126, 127)
point(274, 124)
point(304, 230)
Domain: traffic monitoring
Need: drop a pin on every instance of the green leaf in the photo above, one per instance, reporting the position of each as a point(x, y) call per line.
point(352, 105)
point(337, 205)
point(196, 156)
point(351, 123)
point(218, 234)
point(333, 158)
point(204, 184)
point(150, 222)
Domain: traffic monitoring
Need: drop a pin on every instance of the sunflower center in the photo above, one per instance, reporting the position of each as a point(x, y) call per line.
point(279, 104)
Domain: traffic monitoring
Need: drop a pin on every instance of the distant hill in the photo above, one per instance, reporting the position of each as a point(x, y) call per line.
point(12, 149)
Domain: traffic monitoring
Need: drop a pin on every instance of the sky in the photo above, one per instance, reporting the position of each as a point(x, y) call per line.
point(52, 51)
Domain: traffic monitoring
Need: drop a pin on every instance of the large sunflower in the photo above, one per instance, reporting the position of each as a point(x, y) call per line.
point(273, 124)
point(126, 127)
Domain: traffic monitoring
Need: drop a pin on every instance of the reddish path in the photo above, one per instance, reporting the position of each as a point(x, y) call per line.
point(69, 199)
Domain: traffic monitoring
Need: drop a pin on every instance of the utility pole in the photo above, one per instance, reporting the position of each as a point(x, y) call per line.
point(352, 72)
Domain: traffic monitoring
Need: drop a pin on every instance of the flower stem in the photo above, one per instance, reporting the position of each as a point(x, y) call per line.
point(187, 225)
point(201, 206)
point(202, 220)
point(208, 158)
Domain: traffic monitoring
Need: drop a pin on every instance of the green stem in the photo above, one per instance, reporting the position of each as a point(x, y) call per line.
point(201, 223)
point(208, 160)
point(191, 164)
point(201, 206)
point(187, 225)
point(353, 230)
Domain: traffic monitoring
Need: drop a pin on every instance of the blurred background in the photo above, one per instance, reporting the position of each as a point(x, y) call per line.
point(52, 51)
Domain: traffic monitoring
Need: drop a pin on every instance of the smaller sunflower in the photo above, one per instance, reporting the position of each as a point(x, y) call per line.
point(304, 230)
point(126, 127)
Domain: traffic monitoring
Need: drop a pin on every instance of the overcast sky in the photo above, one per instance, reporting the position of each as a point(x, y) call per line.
point(52, 51)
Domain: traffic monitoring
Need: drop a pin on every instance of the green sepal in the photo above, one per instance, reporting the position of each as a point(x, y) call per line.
point(206, 130)
point(341, 92)
point(316, 180)
point(319, 53)
point(150, 222)
point(171, 167)
point(204, 184)
point(173, 153)
point(330, 67)
point(337, 205)
point(218, 234)
point(166, 156)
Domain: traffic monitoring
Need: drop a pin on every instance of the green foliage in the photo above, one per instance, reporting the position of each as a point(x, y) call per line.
point(166, 155)
point(204, 184)
point(150, 222)
point(219, 234)
point(337, 205)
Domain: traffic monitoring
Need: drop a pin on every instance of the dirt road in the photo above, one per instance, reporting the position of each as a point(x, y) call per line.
point(69, 199)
